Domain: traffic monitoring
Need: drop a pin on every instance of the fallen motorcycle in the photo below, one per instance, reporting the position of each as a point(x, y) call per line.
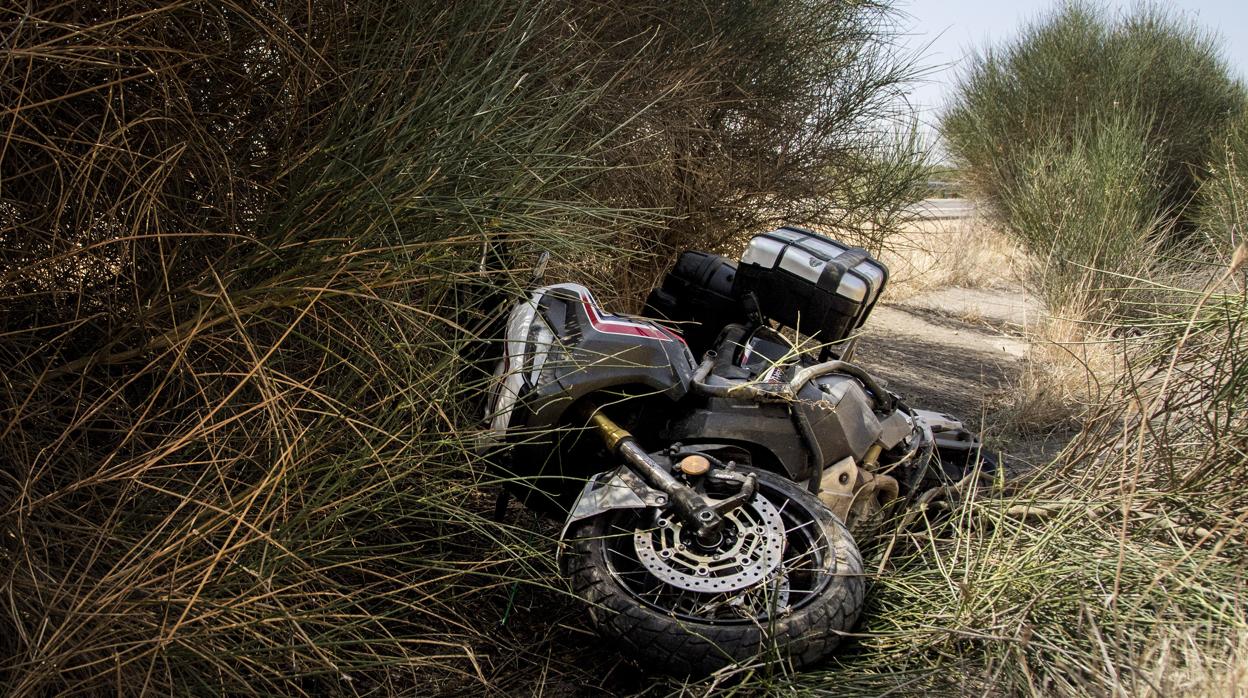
point(708, 501)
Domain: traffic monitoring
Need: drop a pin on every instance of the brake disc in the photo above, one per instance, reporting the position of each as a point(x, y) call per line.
point(750, 550)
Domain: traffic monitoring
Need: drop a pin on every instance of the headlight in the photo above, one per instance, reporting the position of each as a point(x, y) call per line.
point(518, 327)
point(538, 346)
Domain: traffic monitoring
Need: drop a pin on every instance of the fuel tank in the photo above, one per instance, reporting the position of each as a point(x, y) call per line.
point(836, 406)
point(561, 346)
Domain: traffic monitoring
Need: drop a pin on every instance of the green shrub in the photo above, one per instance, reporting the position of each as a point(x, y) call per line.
point(1086, 207)
point(1076, 67)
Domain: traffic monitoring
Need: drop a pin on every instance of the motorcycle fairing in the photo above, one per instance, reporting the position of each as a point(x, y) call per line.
point(620, 488)
point(561, 346)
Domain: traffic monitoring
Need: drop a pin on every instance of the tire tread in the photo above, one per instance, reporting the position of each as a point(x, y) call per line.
point(682, 647)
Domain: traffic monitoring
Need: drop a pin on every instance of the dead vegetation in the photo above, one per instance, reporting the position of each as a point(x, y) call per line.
point(950, 252)
point(241, 268)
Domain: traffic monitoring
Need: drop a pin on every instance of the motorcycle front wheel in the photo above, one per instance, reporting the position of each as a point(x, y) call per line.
point(784, 581)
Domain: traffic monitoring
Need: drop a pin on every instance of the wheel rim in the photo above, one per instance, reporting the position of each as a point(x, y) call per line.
point(773, 559)
point(748, 550)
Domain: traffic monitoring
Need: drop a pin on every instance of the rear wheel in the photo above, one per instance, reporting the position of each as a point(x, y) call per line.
point(785, 576)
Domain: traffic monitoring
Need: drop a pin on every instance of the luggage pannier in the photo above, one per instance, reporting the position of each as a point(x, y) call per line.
point(822, 288)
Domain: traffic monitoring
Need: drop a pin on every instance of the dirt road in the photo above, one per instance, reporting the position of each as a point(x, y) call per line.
point(949, 349)
point(961, 351)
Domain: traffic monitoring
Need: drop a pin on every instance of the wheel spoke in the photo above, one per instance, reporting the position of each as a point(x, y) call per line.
point(667, 571)
point(773, 562)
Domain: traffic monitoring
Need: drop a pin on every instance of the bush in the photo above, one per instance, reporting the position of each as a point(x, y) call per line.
point(1224, 193)
point(1077, 71)
point(242, 247)
point(1087, 210)
point(735, 117)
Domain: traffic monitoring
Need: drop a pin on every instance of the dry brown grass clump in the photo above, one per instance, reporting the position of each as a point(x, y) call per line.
point(1070, 368)
point(959, 252)
point(241, 271)
point(1067, 362)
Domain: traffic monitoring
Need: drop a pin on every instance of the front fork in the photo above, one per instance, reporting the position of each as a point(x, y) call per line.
point(702, 515)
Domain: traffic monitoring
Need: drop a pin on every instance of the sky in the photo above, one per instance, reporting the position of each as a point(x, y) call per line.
point(946, 30)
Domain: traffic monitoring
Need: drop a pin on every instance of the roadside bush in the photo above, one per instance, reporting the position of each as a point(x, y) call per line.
point(1087, 210)
point(242, 249)
point(1078, 70)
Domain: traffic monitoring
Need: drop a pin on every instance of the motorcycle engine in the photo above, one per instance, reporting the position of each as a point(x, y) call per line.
point(837, 407)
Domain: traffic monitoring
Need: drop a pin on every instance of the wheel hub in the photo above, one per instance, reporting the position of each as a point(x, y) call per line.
point(748, 552)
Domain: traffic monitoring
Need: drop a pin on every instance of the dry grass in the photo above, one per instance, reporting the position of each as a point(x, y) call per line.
point(958, 252)
point(1070, 368)
point(241, 291)
point(241, 271)
point(1184, 666)
point(1066, 365)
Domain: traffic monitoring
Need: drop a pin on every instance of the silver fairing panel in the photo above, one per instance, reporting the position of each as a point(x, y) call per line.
point(561, 345)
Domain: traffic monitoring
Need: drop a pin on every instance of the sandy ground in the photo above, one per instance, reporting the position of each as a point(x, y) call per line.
point(959, 348)
point(938, 358)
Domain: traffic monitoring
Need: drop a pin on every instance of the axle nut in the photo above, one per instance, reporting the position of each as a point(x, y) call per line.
point(694, 465)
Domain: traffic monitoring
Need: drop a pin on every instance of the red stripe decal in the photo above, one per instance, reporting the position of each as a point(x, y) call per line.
point(623, 327)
